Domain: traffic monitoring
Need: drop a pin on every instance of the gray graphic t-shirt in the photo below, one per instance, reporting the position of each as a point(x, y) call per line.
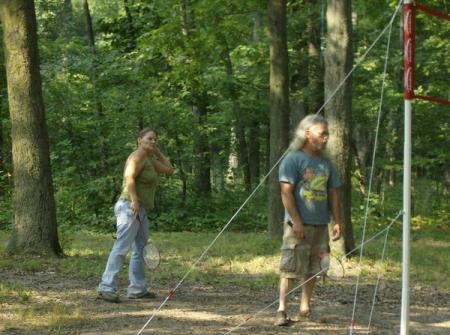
point(312, 177)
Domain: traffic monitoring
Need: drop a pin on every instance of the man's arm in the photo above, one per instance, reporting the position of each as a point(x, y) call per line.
point(287, 197)
point(333, 199)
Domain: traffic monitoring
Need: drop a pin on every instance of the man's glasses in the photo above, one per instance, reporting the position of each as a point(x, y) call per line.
point(321, 135)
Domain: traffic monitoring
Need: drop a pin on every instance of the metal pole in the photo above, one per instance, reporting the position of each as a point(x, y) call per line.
point(409, 95)
point(404, 326)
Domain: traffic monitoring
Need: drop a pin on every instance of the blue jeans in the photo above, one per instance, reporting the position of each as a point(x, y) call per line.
point(131, 233)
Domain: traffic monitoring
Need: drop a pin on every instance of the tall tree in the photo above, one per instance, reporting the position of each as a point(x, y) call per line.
point(2, 90)
point(314, 98)
point(65, 18)
point(131, 28)
point(94, 78)
point(279, 107)
point(253, 140)
point(34, 206)
point(91, 39)
point(239, 127)
point(199, 100)
point(338, 62)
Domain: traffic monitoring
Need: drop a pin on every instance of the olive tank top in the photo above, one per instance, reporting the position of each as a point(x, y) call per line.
point(146, 183)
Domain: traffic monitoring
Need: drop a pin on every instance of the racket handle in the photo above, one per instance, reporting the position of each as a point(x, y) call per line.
point(170, 294)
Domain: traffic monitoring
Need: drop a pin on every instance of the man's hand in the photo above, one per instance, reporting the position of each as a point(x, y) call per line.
point(299, 230)
point(336, 231)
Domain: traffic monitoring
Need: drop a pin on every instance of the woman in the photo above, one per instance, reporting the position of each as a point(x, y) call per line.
point(140, 180)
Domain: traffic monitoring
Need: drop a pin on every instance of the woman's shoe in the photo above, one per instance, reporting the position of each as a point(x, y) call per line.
point(145, 295)
point(108, 296)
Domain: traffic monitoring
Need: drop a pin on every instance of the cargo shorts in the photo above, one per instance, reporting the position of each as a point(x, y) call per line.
point(300, 258)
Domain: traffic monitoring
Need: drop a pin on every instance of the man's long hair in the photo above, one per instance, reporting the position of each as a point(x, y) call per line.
point(299, 136)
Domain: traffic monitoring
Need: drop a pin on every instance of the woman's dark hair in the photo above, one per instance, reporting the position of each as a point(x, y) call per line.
point(145, 131)
point(142, 133)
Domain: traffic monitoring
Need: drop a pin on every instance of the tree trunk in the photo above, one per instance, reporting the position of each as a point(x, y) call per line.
point(314, 98)
point(34, 207)
point(65, 18)
point(253, 153)
point(202, 153)
point(253, 139)
point(338, 62)
point(180, 167)
point(91, 39)
point(98, 103)
point(2, 112)
point(131, 27)
point(391, 144)
point(359, 171)
point(446, 181)
point(242, 148)
point(279, 108)
point(2, 159)
point(298, 85)
point(89, 27)
point(217, 169)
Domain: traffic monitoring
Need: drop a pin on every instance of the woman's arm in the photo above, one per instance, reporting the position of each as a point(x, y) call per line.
point(162, 164)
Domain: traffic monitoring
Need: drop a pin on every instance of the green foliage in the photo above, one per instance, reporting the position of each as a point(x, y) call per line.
point(146, 71)
point(212, 213)
point(156, 60)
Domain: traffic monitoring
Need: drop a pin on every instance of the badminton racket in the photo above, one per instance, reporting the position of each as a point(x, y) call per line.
point(150, 252)
point(151, 256)
point(331, 266)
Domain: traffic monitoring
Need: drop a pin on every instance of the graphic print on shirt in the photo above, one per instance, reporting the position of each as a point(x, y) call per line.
point(314, 185)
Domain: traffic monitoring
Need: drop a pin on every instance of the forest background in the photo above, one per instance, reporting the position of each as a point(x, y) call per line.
point(198, 73)
point(224, 82)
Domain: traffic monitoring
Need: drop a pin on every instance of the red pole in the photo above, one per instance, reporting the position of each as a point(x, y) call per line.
point(409, 38)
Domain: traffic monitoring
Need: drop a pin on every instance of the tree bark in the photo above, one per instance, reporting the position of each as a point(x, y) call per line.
point(65, 18)
point(315, 69)
point(2, 158)
point(242, 147)
point(201, 150)
point(391, 144)
point(91, 39)
point(338, 62)
point(279, 108)
point(131, 27)
point(34, 207)
point(253, 139)
point(299, 73)
point(94, 77)
point(253, 153)
point(2, 112)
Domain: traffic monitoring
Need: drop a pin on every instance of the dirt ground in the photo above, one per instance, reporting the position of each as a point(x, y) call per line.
point(204, 308)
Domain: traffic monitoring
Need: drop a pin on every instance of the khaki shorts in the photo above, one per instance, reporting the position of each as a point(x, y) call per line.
point(300, 259)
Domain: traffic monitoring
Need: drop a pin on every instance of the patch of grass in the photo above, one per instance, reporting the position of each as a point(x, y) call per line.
point(245, 260)
point(15, 292)
point(62, 317)
point(239, 254)
point(429, 257)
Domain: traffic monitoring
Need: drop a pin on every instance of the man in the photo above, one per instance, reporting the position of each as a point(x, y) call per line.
point(309, 193)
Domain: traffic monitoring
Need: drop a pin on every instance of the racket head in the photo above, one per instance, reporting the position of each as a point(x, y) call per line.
point(332, 267)
point(151, 256)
